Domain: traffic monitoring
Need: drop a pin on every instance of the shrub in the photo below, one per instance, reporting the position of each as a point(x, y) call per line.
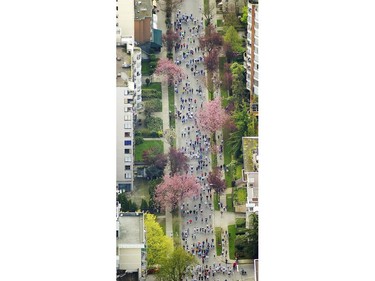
point(152, 105)
point(138, 140)
point(240, 222)
point(151, 94)
point(148, 81)
point(153, 64)
point(170, 56)
point(241, 230)
point(154, 123)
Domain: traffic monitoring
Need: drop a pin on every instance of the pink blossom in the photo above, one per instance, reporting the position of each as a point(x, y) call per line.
point(211, 117)
point(175, 189)
point(168, 69)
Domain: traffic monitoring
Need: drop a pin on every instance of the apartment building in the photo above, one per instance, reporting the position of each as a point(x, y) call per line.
point(128, 103)
point(137, 19)
point(250, 174)
point(130, 245)
point(251, 57)
point(124, 21)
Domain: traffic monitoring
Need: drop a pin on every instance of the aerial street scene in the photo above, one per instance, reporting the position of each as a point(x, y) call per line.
point(187, 140)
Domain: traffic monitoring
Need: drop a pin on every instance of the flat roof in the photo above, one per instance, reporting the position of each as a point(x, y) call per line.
point(253, 179)
point(123, 75)
point(250, 154)
point(142, 9)
point(131, 228)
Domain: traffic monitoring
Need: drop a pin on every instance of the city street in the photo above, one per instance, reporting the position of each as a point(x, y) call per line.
point(198, 217)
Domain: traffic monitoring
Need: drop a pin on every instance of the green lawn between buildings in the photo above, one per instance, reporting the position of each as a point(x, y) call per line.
point(154, 85)
point(147, 144)
point(218, 241)
point(232, 238)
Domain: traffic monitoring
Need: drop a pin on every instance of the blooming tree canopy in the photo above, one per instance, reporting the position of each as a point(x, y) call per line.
point(178, 161)
point(168, 69)
point(211, 117)
point(175, 189)
point(215, 180)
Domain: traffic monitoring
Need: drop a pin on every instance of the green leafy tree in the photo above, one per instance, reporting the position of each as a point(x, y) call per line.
point(247, 245)
point(239, 93)
point(159, 246)
point(231, 36)
point(244, 14)
point(174, 267)
point(246, 125)
point(144, 205)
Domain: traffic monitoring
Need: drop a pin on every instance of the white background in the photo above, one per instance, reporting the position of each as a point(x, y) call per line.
point(57, 144)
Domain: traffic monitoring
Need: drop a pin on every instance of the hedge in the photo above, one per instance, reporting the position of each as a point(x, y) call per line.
point(148, 94)
point(146, 133)
point(154, 123)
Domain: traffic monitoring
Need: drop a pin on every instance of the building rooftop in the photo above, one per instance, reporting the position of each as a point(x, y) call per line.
point(131, 228)
point(250, 154)
point(123, 67)
point(253, 181)
point(142, 9)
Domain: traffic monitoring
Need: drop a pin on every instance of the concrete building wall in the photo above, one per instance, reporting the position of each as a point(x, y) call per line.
point(252, 61)
point(137, 77)
point(125, 136)
point(125, 17)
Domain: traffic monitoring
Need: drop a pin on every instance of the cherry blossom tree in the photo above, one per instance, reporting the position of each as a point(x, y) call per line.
point(175, 189)
point(170, 38)
point(215, 180)
point(169, 70)
point(211, 61)
point(211, 117)
point(211, 40)
point(178, 161)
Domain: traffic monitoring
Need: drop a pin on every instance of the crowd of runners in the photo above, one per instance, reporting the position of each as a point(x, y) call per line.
point(198, 232)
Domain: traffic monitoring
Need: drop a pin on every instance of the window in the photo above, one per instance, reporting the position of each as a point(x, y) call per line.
point(127, 168)
point(128, 142)
point(127, 134)
point(128, 117)
point(127, 158)
point(128, 175)
point(127, 125)
point(116, 8)
point(127, 151)
point(125, 186)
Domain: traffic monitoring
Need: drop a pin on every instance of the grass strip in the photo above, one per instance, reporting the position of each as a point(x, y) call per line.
point(218, 245)
point(232, 238)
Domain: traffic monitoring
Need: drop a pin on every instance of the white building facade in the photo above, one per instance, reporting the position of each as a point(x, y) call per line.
point(251, 59)
point(128, 102)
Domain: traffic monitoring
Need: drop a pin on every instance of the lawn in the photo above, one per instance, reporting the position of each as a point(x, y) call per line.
point(176, 222)
point(146, 68)
point(240, 195)
point(172, 120)
point(219, 23)
point(206, 5)
point(232, 238)
point(218, 241)
point(154, 85)
point(227, 157)
point(223, 92)
point(238, 171)
point(213, 160)
point(229, 199)
point(216, 202)
point(147, 144)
